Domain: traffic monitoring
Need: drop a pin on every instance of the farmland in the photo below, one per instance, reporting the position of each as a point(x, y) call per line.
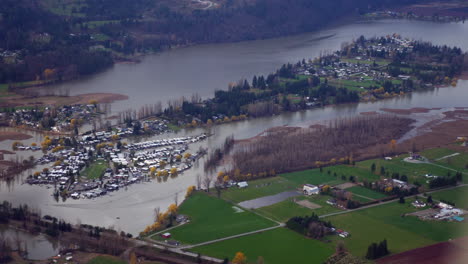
point(275, 246)
point(213, 218)
point(387, 222)
point(284, 210)
point(358, 190)
point(457, 196)
point(258, 188)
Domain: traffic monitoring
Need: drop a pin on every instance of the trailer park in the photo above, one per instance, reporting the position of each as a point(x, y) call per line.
point(358, 200)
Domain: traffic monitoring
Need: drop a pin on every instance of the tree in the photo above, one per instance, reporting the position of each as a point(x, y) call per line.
point(133, 258)
point(173, 209)
point(239, 258)
point(402, 200)
point(429, 199)
point(373, 167)
point(190, 190)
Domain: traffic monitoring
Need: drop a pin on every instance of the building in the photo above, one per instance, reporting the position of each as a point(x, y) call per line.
point(166, 235)
point(310, 189)
point(243, 184)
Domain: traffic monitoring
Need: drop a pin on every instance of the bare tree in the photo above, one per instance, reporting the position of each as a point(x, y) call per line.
point(207, 182)
point(199, 181)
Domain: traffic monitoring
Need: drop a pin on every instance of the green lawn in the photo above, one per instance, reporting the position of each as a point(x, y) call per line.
point(414, 171)
point(458, 163)
point(106, 260)
point(459, 196)
point(258, 188)
point(277, 246)
point(95, 170)
point(284, 210)
point(213, 218)
point(366, 192)
point(314, 176)
point(386, 222)
point(436, 153)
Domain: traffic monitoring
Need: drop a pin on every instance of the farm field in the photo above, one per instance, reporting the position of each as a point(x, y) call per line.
point(258, 188)
point(285, 210)
point(436, 153)
point(315, 177)
point(359, 190)
point(276, 246)
point(459, 196)
point(213, 218)
point(414, 171)
point(387, 222)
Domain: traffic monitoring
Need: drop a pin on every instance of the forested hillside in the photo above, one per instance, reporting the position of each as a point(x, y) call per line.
point(53, 40)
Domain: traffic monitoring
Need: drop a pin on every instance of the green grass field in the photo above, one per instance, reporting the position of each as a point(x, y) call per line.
point(213, 218)
point(258, 188)
point(106, 260)
point(459, 196)
point(314, 176)
point(359, 190)
point(95, 170)
point(284, 210)
point(386, 222)
point(277, 246)
point(414, 171)
point(436, 153)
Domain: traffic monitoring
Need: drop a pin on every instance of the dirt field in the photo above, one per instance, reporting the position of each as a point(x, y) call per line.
point(10, 135)
point(454, 252)
point(308, 204)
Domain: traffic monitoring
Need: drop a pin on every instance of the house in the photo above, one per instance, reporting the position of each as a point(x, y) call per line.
point(243, 184)
point(310, 189)
point(418, 204)
point(166, 235)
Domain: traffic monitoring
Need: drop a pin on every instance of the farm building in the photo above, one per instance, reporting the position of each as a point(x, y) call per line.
point(310, 189)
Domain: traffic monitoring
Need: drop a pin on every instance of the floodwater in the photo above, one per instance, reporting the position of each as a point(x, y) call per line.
point(38, 247)
point(202, 69)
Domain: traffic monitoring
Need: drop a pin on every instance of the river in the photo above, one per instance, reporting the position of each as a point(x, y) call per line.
point(202, 69)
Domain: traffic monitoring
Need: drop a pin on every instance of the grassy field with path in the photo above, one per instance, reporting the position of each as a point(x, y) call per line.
point(212, 218)
point(277, 246)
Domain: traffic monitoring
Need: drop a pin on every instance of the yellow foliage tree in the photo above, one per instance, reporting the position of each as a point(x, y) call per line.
point(133, 258)
point(190, 190)
point(33, 144)
point(93, 102)
point(115, 137)
point(162, 164)
point(209, 122)
point(239, 258)
point(225, 178)
point(173, 171)
point(388, 189)
point(187, 155)
point(178, 157)
point(173, 209)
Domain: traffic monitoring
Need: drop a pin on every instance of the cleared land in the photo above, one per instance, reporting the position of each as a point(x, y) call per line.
point(212, 218)
point(277, 246)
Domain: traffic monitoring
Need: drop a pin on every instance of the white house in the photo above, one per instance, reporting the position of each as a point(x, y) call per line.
point(310, 189)
point(243, 184)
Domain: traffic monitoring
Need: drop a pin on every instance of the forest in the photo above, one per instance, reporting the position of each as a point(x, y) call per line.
point(70, 38)
point(286, 149)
